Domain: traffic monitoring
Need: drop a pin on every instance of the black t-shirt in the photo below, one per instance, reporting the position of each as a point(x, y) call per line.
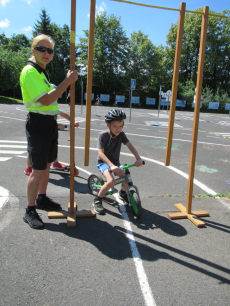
point(113, 151)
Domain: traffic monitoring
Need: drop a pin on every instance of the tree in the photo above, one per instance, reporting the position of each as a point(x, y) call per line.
point(18, 42)
point(217, 57)
point(4, 41)
point(145, 64)
point(43, 26)
point(110, 54)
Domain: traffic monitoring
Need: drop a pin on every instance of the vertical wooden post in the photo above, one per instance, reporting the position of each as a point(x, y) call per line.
point(197, 107)
point(89, 80)
point(72, 104)
point(180, 31)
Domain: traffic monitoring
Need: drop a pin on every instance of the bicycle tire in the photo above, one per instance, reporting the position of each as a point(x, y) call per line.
point(94, 179)
point(135, 203)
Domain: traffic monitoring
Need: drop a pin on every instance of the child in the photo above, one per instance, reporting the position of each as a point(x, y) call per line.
point(109, 147)
point(56, 164)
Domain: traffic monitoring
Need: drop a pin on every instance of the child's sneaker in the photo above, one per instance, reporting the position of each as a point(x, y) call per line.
point(123, 197)
point(58, 166)
point(76, 172)
point(28, 171)
point(33, 219)
point(99, 209)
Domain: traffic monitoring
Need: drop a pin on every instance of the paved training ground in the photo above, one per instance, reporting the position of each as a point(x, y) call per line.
point(116, 259)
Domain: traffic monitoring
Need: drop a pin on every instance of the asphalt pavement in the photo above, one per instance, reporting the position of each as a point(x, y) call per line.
point(117, 259)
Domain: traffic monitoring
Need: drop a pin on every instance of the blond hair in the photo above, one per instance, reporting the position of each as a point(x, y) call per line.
point(37, 39)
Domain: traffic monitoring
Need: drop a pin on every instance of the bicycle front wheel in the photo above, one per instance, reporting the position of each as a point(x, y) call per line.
point(135, 203)
point(95, 183)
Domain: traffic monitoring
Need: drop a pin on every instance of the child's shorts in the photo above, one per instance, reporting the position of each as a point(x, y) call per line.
point(103, 166)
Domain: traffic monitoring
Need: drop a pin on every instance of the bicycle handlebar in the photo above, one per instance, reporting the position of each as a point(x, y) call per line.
point(129, 166)
point(126, 167)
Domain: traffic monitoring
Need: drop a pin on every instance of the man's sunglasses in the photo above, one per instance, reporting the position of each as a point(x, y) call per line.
point(44, 49)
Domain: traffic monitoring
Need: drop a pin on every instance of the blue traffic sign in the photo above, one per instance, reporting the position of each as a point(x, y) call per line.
point(133, 84)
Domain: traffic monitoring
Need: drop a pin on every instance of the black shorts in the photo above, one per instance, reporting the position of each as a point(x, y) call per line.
point(42, 136)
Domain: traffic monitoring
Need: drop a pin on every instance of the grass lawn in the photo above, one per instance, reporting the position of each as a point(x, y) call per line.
point(8, 100)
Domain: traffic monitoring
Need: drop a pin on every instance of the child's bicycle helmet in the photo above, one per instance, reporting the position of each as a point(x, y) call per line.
point(115, 114)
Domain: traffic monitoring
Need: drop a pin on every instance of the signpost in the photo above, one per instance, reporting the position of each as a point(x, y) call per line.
point(132, 87)
point(159, 104)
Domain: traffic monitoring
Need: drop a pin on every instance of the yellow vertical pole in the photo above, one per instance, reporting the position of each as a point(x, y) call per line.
point(72, 104)
point(89, 80)
point(180, 31)
point(197, 107)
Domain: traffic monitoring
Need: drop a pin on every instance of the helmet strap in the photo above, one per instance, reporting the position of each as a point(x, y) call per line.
point(111, 135)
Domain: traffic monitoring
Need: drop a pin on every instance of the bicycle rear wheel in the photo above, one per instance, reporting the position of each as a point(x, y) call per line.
point(136, 203)
point(95, 183)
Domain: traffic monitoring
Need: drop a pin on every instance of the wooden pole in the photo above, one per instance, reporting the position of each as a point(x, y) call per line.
point(186, 212)
point(197, 107)
point(89, 81)
point(180, 31)
point(72, 104)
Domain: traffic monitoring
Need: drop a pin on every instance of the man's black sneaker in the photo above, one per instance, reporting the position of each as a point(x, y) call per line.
point(47, 204)
point(123, 197)
point(33, 219)
point(99, 209)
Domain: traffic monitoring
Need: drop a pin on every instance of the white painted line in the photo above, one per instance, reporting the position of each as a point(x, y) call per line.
point(13, 118)
point(142, 129)
point(12, 152)
point(3, 159)
point(213, 137)
point(13, 146)
point(142, 277)
point(158, 137)
point(12, 141)
point(186, 134)
point(4, 197)
point(12, 213)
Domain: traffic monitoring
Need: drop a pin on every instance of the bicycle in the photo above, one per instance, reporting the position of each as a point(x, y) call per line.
point(95, 183)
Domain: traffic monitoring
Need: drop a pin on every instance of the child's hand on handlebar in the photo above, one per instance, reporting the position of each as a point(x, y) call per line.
point(138, 162)
point(114, 169)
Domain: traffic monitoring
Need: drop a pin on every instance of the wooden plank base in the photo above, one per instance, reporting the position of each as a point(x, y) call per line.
point(71, 217)
point(193, 216)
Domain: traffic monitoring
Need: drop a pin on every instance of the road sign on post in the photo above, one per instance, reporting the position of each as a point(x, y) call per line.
point(133, 84)
point(132, 87)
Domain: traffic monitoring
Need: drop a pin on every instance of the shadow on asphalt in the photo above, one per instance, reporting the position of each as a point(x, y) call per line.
point(112, 241)
point(64, 182)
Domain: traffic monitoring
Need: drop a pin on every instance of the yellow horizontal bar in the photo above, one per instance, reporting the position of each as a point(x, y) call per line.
point(168, 8)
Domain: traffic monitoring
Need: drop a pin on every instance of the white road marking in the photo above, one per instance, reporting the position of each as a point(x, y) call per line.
point(14, 206)
point(142, 277)
point(4, 197)
point(3, 159)
point(12, 141)
point(13, 118)
point(213, 137)
point(158, 137)
point(11, 152)
point(13, 146)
